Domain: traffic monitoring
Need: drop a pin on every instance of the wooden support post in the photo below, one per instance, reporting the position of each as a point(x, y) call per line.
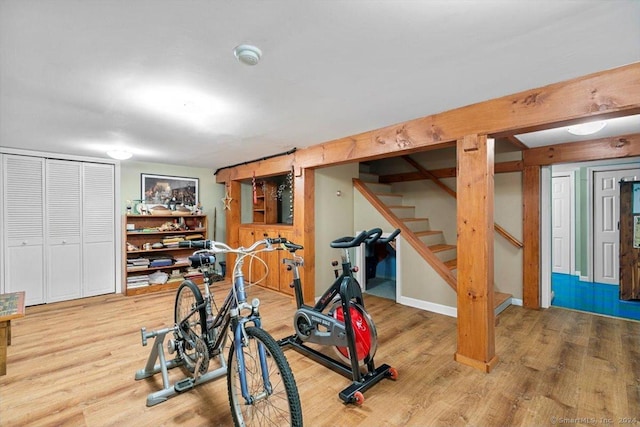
point(531, 237)
point(476, 318)
point(233, 221)
point(304, 228)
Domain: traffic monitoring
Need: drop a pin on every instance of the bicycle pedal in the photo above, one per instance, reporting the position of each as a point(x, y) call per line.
point(183, 385)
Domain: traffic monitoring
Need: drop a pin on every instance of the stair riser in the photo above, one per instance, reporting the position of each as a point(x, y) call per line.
point(415, 226)
point(379, 188)
point(404, 212)
point(390, 200)
point(433, 239)
point(447, 254)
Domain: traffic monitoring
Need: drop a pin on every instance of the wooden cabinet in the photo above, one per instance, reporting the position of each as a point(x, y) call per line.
point(278, 278)
point(142, 233)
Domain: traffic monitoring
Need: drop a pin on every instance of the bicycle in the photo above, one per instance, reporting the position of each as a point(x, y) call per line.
point(260, 383)
point(339, 319)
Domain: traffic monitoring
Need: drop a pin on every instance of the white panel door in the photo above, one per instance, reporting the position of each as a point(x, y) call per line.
point(23, 226)
point(561, 224)
point(64, 230)
point(606, 235)
point(98, 247)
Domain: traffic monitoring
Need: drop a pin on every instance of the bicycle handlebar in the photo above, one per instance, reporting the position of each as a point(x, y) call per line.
point(219, 247)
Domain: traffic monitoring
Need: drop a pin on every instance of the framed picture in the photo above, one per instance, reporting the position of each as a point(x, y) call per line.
point(161, 189)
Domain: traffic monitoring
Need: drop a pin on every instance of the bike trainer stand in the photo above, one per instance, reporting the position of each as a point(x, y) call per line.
point(360, 382)
point(151, 368)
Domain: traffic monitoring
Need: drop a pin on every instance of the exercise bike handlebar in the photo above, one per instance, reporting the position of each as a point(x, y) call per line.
point(390, 237)
point(368, 237)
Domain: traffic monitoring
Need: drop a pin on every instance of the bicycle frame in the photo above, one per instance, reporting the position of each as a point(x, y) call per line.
point(230, 316)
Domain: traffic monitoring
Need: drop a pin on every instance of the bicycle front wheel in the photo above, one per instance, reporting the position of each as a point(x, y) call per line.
point(274, 404)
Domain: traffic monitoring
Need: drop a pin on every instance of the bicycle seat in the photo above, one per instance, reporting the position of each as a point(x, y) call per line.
point(292, 247)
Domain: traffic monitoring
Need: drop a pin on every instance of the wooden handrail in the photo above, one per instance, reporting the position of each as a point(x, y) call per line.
point(425, 173)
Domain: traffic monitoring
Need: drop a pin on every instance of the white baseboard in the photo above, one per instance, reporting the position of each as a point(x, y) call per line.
point(429, 306)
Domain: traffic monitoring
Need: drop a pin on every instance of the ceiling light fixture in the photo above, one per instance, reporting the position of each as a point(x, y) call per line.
point(119, 154)
point(586, 128)
point(247, 54)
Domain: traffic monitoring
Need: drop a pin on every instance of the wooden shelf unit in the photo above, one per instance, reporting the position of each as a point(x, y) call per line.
point(265, 208)
point(145, 231)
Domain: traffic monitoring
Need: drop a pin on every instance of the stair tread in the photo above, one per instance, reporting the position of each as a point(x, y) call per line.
point(441, 247)
point(500, 297)
point(427, 232)
point(413, 219)
point(452, 264)
point(399, 206)
point(388, 194)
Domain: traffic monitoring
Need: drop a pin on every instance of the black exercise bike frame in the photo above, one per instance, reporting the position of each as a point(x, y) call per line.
point(347, 288)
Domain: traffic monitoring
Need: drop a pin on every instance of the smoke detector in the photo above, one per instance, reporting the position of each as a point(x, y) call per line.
point(247, 54)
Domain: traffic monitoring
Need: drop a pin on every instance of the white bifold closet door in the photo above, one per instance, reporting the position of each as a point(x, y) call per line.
point(98, 225)
point(58, 221)
point(64, 230)
point(23, 226)
point(80, 230)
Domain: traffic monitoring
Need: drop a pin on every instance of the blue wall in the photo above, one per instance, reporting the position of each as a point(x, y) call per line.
point(570, 292)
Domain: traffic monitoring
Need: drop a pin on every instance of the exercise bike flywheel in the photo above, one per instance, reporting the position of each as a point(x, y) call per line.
point(366, 335)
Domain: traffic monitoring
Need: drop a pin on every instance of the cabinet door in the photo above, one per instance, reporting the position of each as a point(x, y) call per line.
point(98, 230)
point(63, 214)
point(23, 226)
point(253, 268)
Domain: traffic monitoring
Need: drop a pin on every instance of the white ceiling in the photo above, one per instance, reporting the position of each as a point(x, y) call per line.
point(73, 73)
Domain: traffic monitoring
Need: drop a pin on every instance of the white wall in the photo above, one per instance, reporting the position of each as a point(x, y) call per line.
point(334, 217)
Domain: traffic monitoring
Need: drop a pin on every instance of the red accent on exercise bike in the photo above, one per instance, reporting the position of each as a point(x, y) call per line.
point(361, 330)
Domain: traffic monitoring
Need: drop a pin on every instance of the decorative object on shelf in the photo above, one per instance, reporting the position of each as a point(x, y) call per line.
point(290, 182)
point(168, 190)
point(227, 199)
point(253, 186)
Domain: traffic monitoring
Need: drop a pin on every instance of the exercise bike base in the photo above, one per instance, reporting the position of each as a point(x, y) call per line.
point(365, 382)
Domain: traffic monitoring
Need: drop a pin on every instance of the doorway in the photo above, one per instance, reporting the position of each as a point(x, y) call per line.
point(590, 203)
point(378, 275)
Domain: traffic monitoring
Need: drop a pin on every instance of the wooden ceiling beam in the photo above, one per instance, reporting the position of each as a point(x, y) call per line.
point(583, 151)
point(604, 94)
point(502, 167)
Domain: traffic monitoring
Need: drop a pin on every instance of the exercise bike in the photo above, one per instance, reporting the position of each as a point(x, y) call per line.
point(339, 319)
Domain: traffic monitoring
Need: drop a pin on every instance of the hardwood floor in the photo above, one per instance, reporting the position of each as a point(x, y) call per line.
point(73, 364)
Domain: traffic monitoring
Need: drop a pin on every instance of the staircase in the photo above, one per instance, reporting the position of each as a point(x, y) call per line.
point(431, 244)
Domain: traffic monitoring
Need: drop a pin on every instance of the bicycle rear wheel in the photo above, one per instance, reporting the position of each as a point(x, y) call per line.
point(191, 322)
point(276, 403)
